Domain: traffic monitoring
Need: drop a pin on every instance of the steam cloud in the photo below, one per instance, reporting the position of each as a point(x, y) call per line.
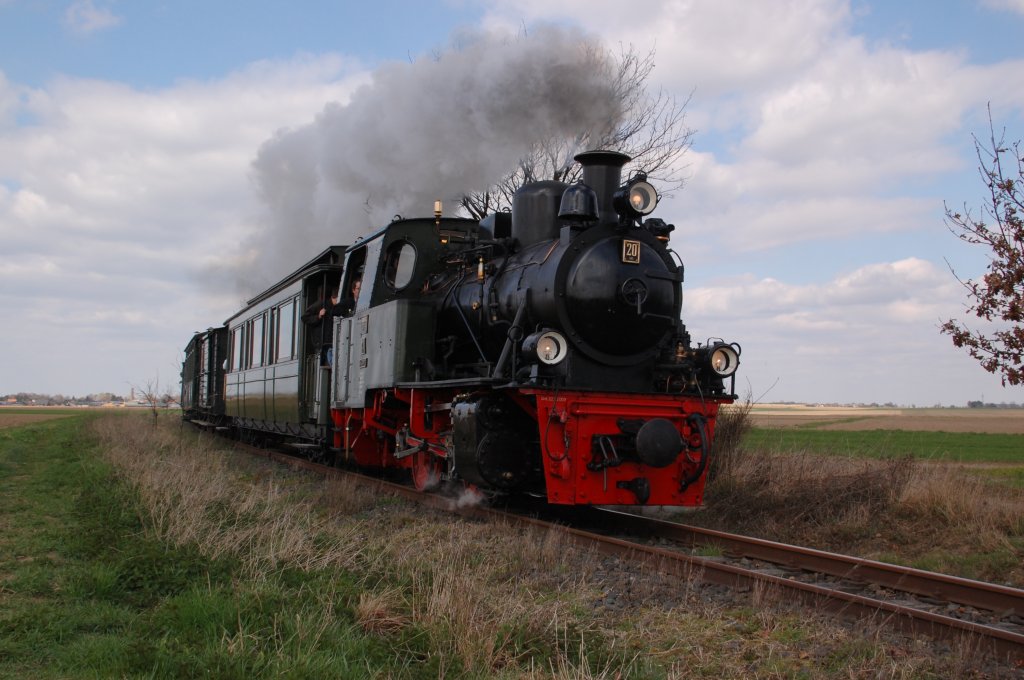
point(439, 127)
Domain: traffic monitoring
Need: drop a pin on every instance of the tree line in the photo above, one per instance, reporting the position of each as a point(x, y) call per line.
point(39, 399)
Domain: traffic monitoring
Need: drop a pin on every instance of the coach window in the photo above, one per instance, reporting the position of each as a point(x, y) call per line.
point(271, 345)
point(257, 341)
point(286, 331)
point(247, 345)
point(236, 348)
point(400, 264)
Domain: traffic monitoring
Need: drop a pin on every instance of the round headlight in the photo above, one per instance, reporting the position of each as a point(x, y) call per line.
point(643, 198)
point(724, 360)
point(636, 199)
point(550, 347)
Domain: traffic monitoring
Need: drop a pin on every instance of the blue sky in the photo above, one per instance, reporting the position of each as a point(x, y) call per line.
point(828, 133)
point(154, 44)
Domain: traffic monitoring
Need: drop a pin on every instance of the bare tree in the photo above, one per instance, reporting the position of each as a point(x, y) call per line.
point(998, 297)
point(149, 394)
point(651, 128)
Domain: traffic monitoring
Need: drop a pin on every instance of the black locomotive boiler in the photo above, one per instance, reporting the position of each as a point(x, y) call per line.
point(537, 351)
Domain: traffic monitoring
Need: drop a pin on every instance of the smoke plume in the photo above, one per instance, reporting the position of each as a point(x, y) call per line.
point(436, 128)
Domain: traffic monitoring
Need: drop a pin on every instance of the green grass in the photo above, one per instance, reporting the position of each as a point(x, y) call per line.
point(709, 550)
point(85, 593)
point(985, 566)
point(944, 446)
point(1012, 476)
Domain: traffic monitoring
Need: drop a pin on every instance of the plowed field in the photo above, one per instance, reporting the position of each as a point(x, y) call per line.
point(992, 421)
point(16, 419)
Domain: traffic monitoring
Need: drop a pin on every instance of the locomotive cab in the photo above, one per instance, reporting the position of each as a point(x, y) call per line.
point(389, 336)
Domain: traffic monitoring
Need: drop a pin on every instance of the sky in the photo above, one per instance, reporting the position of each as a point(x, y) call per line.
point(158, 161)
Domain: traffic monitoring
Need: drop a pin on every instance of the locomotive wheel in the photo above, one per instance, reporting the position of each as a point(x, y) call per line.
point(426, 471)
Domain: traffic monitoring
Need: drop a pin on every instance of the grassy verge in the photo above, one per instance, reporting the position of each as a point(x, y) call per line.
point(129, 550)
point(90, 590)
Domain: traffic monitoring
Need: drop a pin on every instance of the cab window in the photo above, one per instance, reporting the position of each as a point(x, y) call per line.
point(400, 264)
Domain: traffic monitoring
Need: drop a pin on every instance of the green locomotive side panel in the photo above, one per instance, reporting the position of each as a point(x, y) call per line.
point(378, 347)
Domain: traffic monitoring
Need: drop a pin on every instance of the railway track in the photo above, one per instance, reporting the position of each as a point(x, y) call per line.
point(985, 615)
point(988, 618)
point(1003, 601)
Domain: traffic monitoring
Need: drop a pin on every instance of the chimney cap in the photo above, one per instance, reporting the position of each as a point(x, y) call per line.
point(599, 157)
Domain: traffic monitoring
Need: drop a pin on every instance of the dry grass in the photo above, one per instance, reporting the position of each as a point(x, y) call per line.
point(382, 612)
point(462, 577)
point(954, 497)
point(806, 490)
point(732, 425)
point(195, 496)
point(196, 493)
point(480, 599)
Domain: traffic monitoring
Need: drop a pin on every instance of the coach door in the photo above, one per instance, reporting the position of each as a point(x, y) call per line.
point(318, 290)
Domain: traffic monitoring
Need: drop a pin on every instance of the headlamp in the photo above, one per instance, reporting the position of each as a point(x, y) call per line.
point(636, 199)
point(723, 359)
point(643, 198)
point(549, 347)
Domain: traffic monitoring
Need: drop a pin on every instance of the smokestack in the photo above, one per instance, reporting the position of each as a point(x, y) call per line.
point(602, 172)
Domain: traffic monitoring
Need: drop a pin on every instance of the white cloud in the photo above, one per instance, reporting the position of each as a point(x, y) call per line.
point(755, 222)
point(113, 199)
point(880, 105)
point(103, 158)
point(10, 100)
point(911, 283)
point(714, 47)
point(1009, 5)
point(84, 17)
point(867, 335)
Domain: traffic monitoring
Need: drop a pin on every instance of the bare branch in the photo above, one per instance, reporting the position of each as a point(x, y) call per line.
point(998, 297)
point(650, 127)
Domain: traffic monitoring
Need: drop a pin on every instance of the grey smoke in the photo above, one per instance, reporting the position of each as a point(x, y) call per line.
point(439, 127)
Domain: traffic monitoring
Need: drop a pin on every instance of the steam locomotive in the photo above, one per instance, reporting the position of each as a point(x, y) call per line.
point(539, 351)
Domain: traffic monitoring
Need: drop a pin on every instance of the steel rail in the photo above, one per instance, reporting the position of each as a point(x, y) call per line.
point(999, 599)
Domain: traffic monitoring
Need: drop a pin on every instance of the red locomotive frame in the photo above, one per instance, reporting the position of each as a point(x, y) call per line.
point(569, 423)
